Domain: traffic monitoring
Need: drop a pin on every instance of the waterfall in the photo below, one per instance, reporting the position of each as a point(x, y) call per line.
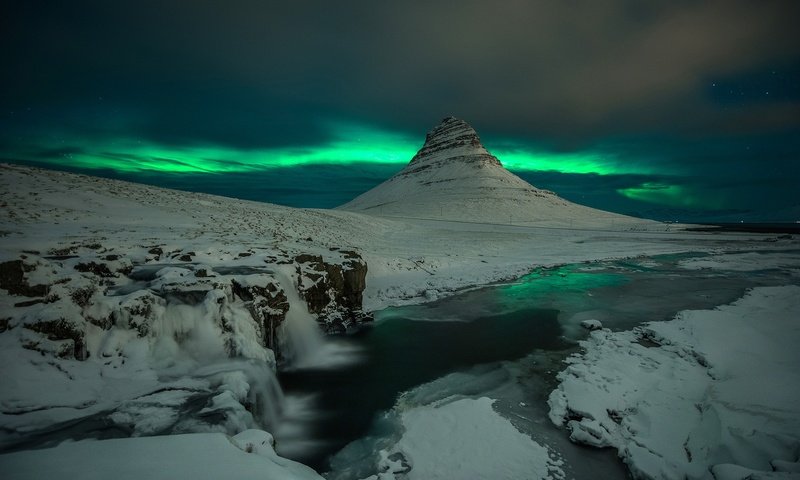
point(252, 384)
point(188, 342)
point(300, 337)
point(302, 342)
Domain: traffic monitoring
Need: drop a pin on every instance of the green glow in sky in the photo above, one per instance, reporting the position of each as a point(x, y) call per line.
point(528, 159)
point(672, 195)
point(348, 144)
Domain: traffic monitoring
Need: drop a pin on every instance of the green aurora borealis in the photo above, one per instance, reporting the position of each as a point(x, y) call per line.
point(666, 110)
point(349, 145)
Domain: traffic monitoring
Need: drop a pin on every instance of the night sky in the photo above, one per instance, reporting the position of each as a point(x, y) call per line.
point(673, 109)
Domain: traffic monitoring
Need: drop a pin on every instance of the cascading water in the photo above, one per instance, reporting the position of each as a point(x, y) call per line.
point(304, 349)
point(189, 342)
point(251, 384)
point(301, 340)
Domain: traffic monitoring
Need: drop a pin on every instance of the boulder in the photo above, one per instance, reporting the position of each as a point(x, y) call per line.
point(592, 324)
point(60, 330)
point(12, 279)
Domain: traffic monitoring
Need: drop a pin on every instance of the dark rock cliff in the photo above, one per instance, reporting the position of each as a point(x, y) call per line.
point(333, 291)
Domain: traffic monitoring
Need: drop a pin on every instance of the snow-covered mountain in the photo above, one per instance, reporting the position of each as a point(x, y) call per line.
point(454, 177)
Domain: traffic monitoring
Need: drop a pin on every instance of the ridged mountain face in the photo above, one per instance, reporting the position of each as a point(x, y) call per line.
point(453, 139)
point(453, 177)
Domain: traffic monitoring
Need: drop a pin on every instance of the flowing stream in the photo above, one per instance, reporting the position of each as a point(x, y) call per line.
point(528, 326)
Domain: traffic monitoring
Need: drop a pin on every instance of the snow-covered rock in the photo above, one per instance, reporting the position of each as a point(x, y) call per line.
point(454, 177)
point(677, 398)
point(592, 324)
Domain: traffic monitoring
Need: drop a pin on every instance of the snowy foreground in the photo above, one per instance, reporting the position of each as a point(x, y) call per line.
point(248, 455)
point(463, 438)
point(712, 393)
point(143, 311)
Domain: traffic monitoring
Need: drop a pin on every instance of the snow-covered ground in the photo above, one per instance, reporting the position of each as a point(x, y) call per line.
point(696, 396)
point(463, 438)
point(47, 211)
point(141, 374)
point(248, 455)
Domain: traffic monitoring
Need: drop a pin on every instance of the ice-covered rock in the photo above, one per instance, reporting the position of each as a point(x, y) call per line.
point(710, 391)
point(205, 333)
point(592, 324)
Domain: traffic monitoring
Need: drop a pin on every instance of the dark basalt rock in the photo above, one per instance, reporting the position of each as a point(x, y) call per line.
point(450, 134)
point(99, 269)
point(62, 330)
point(268, 307)
point(203, 273)
point(12, 278)
point(333, 291)
point(308, 258)
point(186, 257)
point(28, 303)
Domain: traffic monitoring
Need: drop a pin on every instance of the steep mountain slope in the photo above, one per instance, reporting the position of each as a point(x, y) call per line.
point(454, 177)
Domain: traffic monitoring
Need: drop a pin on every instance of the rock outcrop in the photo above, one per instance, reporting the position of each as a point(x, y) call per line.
point(55, 300)
point(333, 291)
point(12, 279)
point(452, 140)
point(268, 305)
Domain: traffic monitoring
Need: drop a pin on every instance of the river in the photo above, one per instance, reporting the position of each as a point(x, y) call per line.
point(490, 334)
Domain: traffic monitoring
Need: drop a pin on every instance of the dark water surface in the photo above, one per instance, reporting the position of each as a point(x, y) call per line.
point(399, 354)
point(541, 312)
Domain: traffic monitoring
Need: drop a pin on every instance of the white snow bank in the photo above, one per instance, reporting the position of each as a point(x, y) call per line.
point(198, 456)
point(676, 398)
point(464, 438)
point(744, 262)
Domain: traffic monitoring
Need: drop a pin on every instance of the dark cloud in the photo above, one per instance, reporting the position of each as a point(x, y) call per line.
point(254, 72)
point(710, 89)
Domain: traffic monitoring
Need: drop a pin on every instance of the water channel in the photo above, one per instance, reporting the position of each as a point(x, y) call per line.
point(485, 340)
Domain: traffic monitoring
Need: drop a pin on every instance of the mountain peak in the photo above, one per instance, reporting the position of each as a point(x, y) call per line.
point(453, 137)
point(453, 177)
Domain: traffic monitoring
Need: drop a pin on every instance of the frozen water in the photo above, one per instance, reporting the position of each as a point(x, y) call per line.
point(409, 346)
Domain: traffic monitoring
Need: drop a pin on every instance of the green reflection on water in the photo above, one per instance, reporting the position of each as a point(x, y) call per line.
point(543, 283)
